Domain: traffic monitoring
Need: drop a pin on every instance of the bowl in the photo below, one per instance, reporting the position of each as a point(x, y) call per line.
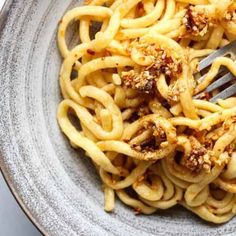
point(56, 185)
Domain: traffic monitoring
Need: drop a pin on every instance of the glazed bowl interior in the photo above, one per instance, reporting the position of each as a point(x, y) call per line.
point(57, 185)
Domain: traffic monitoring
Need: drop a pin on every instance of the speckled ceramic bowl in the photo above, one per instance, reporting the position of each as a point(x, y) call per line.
point(56, 185)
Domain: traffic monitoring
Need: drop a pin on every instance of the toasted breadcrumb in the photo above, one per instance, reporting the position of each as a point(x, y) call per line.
point(143, 111)
point(230, 149)
point(197, 22)
point(197, 160)
point(142, 82)
point(230, 14)
point(173, 93)
point(223, 159)
point(228, 122)
point(163, 63)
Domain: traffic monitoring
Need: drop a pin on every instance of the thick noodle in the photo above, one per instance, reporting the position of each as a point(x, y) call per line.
point(131, 87)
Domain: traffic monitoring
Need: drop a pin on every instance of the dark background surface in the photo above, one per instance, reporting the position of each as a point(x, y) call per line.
point(13, 221)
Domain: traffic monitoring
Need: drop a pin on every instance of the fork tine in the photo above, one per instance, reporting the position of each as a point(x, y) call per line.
point(231, 90)
point(221, 52)
point(221, 81)
point(221, 70)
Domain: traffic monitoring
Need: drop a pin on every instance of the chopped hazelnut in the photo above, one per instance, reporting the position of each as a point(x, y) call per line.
point(197, 160)
point(196, 22)
point(163, 63)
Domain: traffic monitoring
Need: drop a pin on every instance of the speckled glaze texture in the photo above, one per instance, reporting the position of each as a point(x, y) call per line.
point(57, 185)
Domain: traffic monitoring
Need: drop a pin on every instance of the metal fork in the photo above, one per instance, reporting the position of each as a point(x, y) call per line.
point(227, 77)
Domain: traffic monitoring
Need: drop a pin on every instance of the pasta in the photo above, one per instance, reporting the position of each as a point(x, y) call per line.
point(131, 86)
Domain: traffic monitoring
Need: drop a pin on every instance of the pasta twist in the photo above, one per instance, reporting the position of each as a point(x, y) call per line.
point(130, 84)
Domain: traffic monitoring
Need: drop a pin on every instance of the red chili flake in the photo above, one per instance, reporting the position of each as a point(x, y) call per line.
point(207, 96)
point(179, 68)
point(137, 211)
point(140, 9)
point(190, 19)
point(107, 53)
point(168, 60)
point(91, 52)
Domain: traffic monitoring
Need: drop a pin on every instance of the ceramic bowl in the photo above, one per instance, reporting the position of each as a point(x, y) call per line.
point(56, 185)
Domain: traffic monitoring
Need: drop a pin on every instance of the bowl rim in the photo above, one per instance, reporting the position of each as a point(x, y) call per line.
point(3, 22)
point(19, 201)
point(7, 174)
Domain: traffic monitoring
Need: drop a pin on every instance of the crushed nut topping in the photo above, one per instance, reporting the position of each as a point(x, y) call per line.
point(197, 160)
point(199, 157)
point(223, 159)
point(142, 82)
point(163, 63)
point(151, 144)
point(228, 122)
point(196, 22)
point(143, 111)
point(208, 144)
point(230, 15)
point(173, 93)
point(230, 149)
point(166, 65)
point(156, 129)
point(148, 145)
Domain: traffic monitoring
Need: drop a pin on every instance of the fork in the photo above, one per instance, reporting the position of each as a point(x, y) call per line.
point(227, 77)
